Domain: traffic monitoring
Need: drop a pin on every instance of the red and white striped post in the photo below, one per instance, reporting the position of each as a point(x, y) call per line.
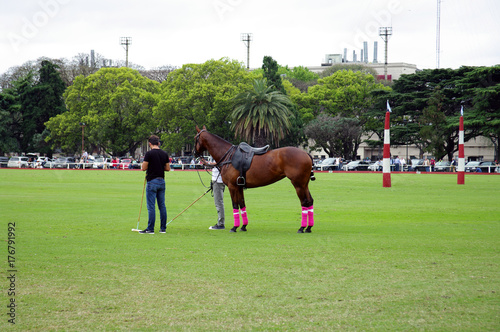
point(461, 154)
point(386, 164)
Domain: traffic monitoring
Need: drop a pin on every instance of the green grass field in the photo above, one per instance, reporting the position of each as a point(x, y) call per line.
point(421, 255)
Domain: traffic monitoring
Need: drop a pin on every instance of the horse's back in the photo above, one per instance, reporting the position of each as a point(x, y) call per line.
point(291, 152)
point(277, 164)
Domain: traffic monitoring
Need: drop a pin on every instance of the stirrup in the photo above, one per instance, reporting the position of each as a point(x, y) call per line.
point(240, 181)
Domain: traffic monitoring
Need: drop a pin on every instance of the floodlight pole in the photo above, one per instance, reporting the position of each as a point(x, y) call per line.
point(385, 33)
point(126, 41)
point(247, 38)
point(438, 34)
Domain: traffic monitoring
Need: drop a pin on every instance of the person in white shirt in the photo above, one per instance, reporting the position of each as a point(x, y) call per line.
point(218, 188)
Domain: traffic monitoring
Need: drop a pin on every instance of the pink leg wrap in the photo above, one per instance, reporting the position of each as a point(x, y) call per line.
point(310, 214)
point(236, 214)
point(304, 216)
point(244, 215)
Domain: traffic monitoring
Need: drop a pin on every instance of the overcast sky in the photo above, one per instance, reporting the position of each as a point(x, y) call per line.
point(293, 32)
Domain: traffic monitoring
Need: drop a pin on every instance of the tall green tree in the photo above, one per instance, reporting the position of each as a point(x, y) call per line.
point(301, 77)
point(299, 73)
point(346, 94)
point(10, 118)
point(26, 104)
point(261, 114)
point(272, 75)
point(199, 94)
point(116, 105)
point(45, 101)
point(426, 108)
point(353, 67)
point(482, 103)
point(335, 135)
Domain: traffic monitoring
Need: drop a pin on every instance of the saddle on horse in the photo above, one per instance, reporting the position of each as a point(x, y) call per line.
point(242, 159)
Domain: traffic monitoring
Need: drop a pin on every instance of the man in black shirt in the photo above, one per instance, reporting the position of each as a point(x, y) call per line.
point(155, 164)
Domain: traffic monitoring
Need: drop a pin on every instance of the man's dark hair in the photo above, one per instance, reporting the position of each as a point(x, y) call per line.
point(155, 140)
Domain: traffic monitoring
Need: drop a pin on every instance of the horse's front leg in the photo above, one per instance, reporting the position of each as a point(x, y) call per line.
point(238, 204)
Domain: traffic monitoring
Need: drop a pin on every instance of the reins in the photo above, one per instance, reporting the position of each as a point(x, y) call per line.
point(222, 162)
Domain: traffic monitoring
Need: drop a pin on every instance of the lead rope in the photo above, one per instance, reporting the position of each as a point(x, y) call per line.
point(209, 189)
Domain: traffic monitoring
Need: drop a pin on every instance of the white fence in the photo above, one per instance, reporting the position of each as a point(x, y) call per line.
point(122, 166)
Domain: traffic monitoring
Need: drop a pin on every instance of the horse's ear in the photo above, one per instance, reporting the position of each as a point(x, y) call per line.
point(197, 129)
point(205, 128)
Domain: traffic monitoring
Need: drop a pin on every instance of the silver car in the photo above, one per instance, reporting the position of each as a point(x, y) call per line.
point(328, 164)
point(18, 162)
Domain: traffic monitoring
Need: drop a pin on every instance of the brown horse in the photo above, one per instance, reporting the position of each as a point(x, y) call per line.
point(265, 169)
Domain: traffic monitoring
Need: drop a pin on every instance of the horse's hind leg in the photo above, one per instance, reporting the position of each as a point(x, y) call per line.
point(306, 201)
point(238, 204)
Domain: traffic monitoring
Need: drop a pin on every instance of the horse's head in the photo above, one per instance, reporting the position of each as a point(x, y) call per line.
point(199, 146)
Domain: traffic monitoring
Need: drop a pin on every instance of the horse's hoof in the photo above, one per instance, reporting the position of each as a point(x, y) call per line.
point(308, 229)
point(301, 230)
point(243, 228)
point(233, 230)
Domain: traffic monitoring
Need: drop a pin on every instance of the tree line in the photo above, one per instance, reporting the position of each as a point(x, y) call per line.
point(43, 110)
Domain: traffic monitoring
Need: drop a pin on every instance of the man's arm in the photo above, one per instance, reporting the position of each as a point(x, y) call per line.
point(144, 165)
point(167, 167)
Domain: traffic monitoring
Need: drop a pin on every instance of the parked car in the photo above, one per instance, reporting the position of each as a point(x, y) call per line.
point(357, 165)
point(86, 165)
point(102, 162)
point(124, 163)
point(40, 161)
point(327, 164)
point(443, 166)
point(49, 163)
point(18, 162)
point(487, 166)
point(472, 166)
point(134, 165)
point(4, 161)
point(416, 165)
point(65, 162)
point(376, 166)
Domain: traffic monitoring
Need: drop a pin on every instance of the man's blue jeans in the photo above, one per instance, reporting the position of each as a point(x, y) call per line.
point(155, 190)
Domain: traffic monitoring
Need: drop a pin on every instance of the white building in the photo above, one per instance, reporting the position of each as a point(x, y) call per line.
point(394, 70)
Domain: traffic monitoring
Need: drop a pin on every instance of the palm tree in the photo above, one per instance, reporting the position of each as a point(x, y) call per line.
point(261, 113)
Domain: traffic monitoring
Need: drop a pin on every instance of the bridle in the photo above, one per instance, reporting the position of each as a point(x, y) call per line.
point(196, 139)
point(222, 162)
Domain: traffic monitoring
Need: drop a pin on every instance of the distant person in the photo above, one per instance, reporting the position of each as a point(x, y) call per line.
point(397, 163)
point(427, 165)
point(155, 164)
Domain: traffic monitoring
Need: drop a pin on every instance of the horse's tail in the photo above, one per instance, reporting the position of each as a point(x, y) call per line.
point(312, 168)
